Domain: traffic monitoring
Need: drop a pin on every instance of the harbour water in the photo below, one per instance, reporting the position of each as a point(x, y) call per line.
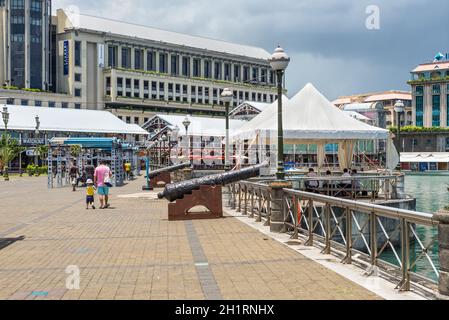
point(431, 193)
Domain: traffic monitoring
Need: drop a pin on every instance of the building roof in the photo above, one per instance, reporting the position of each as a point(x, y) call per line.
point(435, 66)
point(68, 120)
point(390, 96)
point(362, 106)
point(374, 97)
point(425, 157)
point(202, 126)
point(261, 106)
point(309, 116)
point(92, 23)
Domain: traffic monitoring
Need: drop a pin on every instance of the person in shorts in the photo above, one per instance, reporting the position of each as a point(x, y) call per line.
point(90, 194)
point(101, 176)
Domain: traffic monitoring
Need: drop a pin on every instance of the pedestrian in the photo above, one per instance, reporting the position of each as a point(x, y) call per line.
point(128, 171)
point(89, 169)
point(90, 194)
point(74, 173)
point(102, 180)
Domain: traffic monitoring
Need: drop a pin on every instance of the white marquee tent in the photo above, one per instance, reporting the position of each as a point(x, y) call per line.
point(310, 118)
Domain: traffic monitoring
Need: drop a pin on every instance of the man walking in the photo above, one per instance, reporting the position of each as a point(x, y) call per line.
point(102, 178)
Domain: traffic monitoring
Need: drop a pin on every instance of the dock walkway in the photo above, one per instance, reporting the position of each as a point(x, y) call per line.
point(133, 252)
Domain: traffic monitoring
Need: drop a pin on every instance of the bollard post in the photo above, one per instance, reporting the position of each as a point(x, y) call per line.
point(443, 238)
point(277, 205)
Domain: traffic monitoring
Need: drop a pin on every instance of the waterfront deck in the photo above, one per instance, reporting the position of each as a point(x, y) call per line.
point(133, 252)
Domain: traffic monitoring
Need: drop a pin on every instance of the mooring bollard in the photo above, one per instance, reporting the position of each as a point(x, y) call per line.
point(277, 205)
point(443, 238)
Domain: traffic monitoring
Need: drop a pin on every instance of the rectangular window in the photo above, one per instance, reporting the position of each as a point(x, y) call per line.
point(255, 75)
point(447, 107)
point(236, 73)
point(77, 92)
point(51, 104)
point(112, 56)
point(207, 69)
point(77, 105)
point(174, 65)
point(264, 76)
point(151, 61)
point(245, 74)
point(419, 90)
point(64, 105)
point(162, 62)
point(24, 102)
point(217, 72)
point(186, 66)
point(10, 101)
point(196, 67)
point(78, 77)
point(126, 58)
point(436, 111)
point(436, 89)
point(78, 53)
point(138, 59)
point(227, 72)
point(136, 120)
point(38, 103)
point(128, 120)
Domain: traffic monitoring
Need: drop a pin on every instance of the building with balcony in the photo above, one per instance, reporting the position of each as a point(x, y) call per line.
point(388, 99)
point(430, 89)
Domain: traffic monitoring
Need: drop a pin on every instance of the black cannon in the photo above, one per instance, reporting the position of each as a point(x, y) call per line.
point(174, 168)
point(176, 191)
point(161, 177)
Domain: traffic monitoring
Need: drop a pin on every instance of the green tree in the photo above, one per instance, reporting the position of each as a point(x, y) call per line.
point(75, 150)
point(42, 152)
point(9, 150)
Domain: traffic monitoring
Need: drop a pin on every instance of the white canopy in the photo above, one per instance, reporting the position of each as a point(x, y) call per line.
point(310, 116)
point(22, 118)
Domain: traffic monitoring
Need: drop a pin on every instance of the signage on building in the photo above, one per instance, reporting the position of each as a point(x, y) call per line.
point(30, 153)
point(100, 50)
point(66, 56)
point(32, 141)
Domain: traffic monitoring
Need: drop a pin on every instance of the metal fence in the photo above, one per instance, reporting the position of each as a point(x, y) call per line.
point(359, 232)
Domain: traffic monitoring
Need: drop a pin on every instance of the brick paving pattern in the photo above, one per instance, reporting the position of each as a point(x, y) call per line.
point(132, 252)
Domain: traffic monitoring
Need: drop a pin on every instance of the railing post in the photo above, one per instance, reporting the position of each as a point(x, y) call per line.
point(443, 238)
point(348, 258)
point(295, 218)
point(252, 190)
point(233, 197)
point(309, 241)
point(259, 206)
point(245, 200)
point(277, 205)
point(405, 256)
point(327, 226)
point(240, 198)
point(268, 199)
point(373, 244)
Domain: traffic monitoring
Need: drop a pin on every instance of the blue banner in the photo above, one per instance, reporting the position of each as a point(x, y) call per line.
point(66, 55)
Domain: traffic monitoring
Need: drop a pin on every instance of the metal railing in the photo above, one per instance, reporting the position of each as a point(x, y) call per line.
point(361, 233)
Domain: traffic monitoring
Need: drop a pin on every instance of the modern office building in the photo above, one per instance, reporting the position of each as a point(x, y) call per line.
point(25, 44)
point(388, 99)
point(137, 71)
point(430, 87)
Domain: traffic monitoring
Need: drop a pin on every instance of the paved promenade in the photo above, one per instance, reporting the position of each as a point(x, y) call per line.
point(131, 251)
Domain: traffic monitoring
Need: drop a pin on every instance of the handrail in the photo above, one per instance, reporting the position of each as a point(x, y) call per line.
point(347, 227)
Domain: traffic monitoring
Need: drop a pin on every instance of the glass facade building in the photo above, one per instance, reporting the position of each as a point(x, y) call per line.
point(26, 43)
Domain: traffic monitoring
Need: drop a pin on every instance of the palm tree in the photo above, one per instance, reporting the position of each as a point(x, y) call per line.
point(9, 150)
point(42, 152)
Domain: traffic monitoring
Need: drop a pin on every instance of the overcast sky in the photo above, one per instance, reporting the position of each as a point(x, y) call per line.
point(328, 40)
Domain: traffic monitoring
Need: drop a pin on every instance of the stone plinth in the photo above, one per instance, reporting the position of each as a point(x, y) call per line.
point(277, 205)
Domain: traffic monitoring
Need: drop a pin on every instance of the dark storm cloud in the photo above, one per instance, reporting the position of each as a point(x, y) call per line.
point(327, 39)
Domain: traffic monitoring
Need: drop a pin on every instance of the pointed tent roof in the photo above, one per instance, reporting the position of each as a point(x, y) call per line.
point(310, 116)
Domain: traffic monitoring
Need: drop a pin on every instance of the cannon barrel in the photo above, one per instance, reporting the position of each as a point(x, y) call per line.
point(169, 169)
point(176, 191)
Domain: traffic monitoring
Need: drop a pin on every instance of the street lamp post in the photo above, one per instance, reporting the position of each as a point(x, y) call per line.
point(399, 108)
point(164, 147)
point(279, 62)
point(5, 116)
point(226, 97)
point(187, 124)
point(36, 158)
